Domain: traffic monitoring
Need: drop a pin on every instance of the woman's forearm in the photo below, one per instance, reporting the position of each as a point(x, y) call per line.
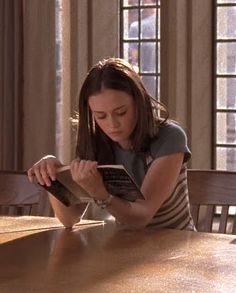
point(133, 214)
point(68, 216)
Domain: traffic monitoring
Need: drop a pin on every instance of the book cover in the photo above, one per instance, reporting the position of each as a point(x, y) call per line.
point(117, 180)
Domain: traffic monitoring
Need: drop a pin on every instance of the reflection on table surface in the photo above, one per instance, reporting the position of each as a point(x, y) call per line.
point(28, 223)
point(97, 257)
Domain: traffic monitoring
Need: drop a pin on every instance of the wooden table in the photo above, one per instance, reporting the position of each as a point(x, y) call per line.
point(39, 255)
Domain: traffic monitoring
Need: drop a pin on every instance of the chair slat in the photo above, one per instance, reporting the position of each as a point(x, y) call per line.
point(223, 219)
point(209, 218)
point(213, 188)
point(234, 225)
point(195, 213)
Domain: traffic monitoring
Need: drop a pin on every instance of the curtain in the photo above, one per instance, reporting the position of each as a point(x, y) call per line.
point(27, 83)
point(11, 83)
point(39, 119)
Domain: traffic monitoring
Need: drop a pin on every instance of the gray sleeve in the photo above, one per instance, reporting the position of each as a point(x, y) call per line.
point(171, 139)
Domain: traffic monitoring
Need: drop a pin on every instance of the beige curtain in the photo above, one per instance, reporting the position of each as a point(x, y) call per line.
point(39, 80)
point(27, 83)
point(186, 72)
point(11, 83)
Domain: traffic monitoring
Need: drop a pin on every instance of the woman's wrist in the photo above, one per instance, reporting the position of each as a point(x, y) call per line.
point(104, 203)
point(100, 193)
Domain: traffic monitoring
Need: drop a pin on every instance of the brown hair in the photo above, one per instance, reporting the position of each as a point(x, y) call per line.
point(117, 74)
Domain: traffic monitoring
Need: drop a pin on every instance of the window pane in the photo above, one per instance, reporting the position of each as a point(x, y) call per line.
point(141, 40)
point(158, 86)
point(130, 2)
point(226, 58)
point(159, 23)
point(226, 128)
point(131, 53)
point(150, 84)
point(130, 20)
point(148, 23)
point(226, 159)
point(149, 2)
point(226, 1)
point(148, 57)
point(226, 93)
point(226, 17)
point(130, 17)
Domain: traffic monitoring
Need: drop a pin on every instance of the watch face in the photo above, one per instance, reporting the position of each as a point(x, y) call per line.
point(104, 203)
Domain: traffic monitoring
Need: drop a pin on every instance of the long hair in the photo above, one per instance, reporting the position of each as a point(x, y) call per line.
point(116, 74)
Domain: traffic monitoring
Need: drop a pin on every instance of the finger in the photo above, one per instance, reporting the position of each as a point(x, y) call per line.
point(88, 168)
point(37, 173)
point(40, 172)
point(31, 175)
point(81, 165)
point(51, 171)
point(74, 166)
point(44, 173)
point(93, 167)
point(80, 171)
point(74, 163)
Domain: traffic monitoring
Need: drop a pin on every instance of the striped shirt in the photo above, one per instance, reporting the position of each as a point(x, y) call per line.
point(175, 211)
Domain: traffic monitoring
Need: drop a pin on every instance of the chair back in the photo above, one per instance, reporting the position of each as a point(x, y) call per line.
point(212, 195)
point(20, 197)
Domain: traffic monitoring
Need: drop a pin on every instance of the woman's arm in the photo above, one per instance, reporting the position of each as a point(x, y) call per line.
point(158, 184)
point(68, 216)
point(44, 171)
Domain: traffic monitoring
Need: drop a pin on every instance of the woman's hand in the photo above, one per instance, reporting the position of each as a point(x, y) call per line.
point(44, 170)
point(85, 173)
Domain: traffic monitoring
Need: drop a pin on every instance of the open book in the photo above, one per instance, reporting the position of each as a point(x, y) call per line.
point(116, 178)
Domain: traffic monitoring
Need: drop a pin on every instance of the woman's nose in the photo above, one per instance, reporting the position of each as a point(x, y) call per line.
point(113, 122)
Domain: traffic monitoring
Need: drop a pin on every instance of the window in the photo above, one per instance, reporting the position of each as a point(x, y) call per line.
point(63, 127)
point(140, 40)
point(225, 85)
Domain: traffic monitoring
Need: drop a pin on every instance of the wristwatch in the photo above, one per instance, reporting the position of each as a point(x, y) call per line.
point(103, 203)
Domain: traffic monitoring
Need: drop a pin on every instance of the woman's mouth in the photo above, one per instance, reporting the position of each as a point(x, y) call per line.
point(115, 133)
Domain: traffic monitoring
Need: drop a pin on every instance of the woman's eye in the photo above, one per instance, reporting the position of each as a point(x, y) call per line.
point(100, 117)
point(121, 113)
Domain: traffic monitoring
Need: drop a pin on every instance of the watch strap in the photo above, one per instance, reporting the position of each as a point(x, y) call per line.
point(104, 203)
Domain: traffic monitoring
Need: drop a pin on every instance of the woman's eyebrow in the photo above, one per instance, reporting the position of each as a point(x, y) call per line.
point(118, 108)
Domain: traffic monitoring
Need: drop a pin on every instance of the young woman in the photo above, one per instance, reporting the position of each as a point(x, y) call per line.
point(120, 123)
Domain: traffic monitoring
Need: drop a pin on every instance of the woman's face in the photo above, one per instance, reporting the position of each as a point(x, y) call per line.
point(115, 113)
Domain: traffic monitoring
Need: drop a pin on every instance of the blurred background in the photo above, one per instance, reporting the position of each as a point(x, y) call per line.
point(184, 51)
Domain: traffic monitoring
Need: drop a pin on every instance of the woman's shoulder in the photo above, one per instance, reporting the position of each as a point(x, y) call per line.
point(171, 138)
point(171, 129)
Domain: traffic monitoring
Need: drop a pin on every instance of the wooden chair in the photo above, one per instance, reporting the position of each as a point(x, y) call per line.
point(212, 195)
point(20, 197)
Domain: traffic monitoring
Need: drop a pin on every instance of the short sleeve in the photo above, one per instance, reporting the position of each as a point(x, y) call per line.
point(171, 139)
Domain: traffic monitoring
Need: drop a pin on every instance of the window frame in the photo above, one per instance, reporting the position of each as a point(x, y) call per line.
point(217, 110)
